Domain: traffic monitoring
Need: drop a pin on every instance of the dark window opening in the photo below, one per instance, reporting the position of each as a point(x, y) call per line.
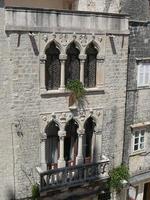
point(72, 67)
point(90, 66)
point(52, 67)
point(146, 191)
point(89, 130)
point(52, 144)
point(71, 141)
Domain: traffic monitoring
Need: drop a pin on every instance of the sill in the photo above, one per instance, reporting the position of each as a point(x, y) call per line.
point(64, 92)
point(138, 152)
point(144, 87)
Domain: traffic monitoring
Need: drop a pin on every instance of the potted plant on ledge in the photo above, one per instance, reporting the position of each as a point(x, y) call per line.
point(77, 95)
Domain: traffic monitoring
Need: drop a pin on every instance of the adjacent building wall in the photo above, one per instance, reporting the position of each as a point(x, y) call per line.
point(138, 99)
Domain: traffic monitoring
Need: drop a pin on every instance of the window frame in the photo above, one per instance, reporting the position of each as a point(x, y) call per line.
point(143, 83)
point(139, 143)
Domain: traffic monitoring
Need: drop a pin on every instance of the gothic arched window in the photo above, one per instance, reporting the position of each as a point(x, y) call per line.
point(90, 66)
point(89, 130)
point(52, 78)
point(71, 141)
point(52, 144)
point(72, 67)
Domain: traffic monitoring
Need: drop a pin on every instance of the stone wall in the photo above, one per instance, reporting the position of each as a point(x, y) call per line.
point(137, 9)
point(6, 112)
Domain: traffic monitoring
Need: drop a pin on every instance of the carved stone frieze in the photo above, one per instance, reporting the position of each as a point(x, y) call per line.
point(63, 41)
point(83, 40)
point(61, 118)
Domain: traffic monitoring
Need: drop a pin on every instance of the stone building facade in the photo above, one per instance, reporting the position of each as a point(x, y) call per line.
point(35, 111)
point(41, 49)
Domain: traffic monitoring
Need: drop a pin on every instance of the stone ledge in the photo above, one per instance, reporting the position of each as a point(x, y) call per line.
point(52, 93)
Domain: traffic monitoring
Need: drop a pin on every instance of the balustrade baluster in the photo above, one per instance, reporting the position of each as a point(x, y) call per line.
point(71, 175)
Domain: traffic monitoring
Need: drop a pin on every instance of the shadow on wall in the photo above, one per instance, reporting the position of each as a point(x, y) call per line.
point(10, 194)
point(113, 45)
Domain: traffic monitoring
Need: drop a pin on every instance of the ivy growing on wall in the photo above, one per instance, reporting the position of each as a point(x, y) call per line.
point(117, 175)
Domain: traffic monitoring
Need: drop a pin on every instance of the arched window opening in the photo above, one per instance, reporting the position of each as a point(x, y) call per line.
point(52, 68)
point(52, 144)
point(89, 130)
point(90, 66)
point(72, 67)
point(71, 142)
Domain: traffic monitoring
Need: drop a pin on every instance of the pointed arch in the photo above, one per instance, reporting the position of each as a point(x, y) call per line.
point(58, 45)
point(96, 46)
point(77, 45)
point(90, 65)
point(52, 66)
point(52, 144)
point(89, 127)
point(71, 141)
point(72, 65)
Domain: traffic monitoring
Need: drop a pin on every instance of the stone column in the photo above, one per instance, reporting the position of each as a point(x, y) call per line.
point(43, 152)
point(97, 153)
point(140, 192)
point(61, 161)
point(42, 72)
point(82, 61)
point(62, 77)
point(79, 158)
point(100, 73)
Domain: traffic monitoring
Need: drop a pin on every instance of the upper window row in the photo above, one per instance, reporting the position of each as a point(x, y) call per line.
point(144, 74)
point(73, 68)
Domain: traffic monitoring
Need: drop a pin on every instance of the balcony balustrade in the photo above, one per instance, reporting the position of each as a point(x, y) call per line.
point(73, 176)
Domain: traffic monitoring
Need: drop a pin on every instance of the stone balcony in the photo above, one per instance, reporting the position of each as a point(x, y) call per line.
point(73, 176)
point(44, 20)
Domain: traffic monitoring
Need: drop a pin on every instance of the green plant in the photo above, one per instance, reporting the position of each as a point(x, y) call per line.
point(77, 91)
point(35, 192)
point(117, 175)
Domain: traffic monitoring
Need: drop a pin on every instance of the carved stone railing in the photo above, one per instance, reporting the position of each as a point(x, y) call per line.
point(73, 176)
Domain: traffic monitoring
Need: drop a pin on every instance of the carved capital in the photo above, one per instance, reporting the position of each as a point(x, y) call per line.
point(43, 136)
point(81, 132)
point(62, 134)
point(100, 59)
point(82, 57)
point(42, 59)
point(62, 57)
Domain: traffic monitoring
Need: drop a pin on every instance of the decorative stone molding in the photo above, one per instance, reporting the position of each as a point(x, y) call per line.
point(83, 40)
point(42, 59)
point(43, 136)
point(61, 133)
point(63, 40)
point(62, 56)
point(80, 116)
point(82, 57)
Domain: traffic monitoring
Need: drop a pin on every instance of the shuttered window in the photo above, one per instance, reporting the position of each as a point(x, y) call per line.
point(144, 74)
